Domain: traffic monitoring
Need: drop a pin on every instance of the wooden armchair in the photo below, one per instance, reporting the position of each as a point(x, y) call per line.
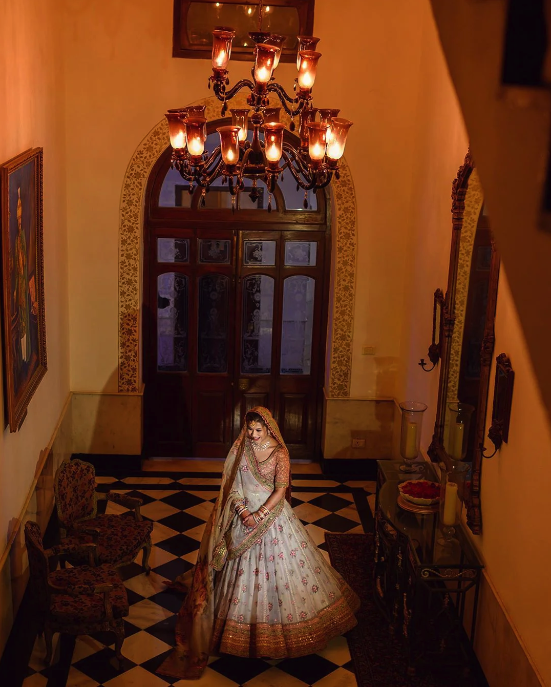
point(76, 601)
point(118, 538)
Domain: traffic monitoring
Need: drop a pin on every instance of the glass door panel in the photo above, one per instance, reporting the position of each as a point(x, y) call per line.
point(257, 324)
point(297, 325)
point(213, 321)
point(172, 322)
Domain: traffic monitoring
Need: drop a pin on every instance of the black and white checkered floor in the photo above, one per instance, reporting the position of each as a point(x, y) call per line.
point(179, 503)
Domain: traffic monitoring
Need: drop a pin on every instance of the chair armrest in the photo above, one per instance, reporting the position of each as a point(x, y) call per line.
point(66, 549)
point(130, 502)
point(76, 590)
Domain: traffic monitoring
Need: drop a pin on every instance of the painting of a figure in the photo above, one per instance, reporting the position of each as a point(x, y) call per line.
point(23, 283)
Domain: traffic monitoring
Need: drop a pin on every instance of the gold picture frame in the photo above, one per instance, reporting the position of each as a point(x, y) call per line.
point(24, 322)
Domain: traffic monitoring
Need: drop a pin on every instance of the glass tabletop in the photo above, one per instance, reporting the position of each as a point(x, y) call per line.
point(427, 541)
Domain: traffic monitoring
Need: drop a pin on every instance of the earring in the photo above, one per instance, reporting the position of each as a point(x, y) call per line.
point(269, 433)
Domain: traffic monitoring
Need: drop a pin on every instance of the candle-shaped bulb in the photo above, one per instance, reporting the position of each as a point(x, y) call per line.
point(305, 43)
point(307, 68)
point(317, 134)
point(229, 144)
point(264, 63)
point(221, 47)
point(273, 141)
point(176, 128)
point(239, 117)
point(336, 140)
point(196, 135)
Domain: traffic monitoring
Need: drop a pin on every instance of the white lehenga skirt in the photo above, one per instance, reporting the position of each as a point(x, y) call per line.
point(280, 598)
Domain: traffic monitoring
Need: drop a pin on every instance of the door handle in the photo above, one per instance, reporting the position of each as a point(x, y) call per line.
point(244, 384)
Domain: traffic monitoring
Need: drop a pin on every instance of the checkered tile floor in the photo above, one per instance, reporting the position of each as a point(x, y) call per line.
point(179, 505)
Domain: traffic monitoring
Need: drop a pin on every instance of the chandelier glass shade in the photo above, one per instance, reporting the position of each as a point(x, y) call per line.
point(313, 162)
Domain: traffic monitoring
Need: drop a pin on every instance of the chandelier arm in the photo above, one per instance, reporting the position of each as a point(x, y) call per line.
point(306, 186)
point(212, 157)
point(297, 159)
point(186, 175)
point(283, 97)
point(223, 95)
point(328, 178)
point(214, 174)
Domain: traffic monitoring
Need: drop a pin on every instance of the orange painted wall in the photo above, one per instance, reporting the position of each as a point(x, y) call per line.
point(32, 114)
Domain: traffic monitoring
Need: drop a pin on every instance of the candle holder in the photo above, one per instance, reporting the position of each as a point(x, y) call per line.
point(410, 434)
point(458, 437)
point(452, 496)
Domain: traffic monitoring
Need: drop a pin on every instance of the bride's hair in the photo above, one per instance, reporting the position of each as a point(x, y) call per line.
point(254, 417)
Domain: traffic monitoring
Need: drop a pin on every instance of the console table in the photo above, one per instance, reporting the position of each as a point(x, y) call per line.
point(427, 590)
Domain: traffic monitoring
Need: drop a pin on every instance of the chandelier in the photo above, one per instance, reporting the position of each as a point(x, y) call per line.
point(312, 163)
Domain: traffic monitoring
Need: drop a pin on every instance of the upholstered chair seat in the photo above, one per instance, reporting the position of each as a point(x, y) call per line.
point(118, 538)
point(76, 601)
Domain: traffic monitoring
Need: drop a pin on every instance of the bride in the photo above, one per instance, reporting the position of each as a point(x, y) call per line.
point(261, 587)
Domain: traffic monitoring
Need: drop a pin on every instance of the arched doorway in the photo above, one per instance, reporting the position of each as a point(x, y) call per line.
point(130, 297)
point(235, 312)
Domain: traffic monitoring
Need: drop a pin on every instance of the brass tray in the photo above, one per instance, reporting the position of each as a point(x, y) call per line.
point(414, 508)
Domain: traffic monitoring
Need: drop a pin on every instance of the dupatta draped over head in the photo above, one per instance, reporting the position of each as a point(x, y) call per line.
point(195, 626)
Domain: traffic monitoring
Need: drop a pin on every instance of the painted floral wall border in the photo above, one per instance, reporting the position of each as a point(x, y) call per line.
point(473, 204)
point(130, 257)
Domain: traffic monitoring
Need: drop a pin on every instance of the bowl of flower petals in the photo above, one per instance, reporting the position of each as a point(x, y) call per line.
point(420, 491)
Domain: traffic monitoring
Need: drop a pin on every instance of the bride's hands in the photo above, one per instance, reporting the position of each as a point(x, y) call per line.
point(248, 520)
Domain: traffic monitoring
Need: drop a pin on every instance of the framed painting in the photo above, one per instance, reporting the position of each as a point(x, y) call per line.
point(24, 340)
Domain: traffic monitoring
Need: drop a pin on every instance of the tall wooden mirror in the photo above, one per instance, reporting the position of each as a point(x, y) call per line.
point(468, 314)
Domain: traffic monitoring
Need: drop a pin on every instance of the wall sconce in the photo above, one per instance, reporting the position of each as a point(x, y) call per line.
point(503, 397)
point(437, 329)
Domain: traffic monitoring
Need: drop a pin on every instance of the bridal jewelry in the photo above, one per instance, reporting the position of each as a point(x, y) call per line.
point(262, 447)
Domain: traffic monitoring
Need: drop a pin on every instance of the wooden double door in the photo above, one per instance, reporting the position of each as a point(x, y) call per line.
point(233, 319)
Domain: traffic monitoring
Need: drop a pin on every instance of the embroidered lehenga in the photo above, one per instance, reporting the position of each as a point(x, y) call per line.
point(262, 592)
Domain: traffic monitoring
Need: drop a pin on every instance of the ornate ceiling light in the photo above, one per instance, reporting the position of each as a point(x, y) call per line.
point(312, 164)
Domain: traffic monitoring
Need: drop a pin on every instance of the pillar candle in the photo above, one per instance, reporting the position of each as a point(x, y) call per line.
point(450, 504)
point(408, 447)
point(458, 430)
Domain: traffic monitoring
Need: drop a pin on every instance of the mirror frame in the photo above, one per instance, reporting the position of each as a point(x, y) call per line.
point(436, 450)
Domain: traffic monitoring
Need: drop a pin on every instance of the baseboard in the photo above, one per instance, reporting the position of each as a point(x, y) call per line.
point(111, 463)
point(349, 468)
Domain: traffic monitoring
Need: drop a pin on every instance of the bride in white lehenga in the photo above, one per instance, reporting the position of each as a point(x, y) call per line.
point(261, 587)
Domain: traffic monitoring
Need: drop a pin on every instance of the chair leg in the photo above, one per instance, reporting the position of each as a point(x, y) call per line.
point(145, 559)
point(119, 639)
point(48, 637)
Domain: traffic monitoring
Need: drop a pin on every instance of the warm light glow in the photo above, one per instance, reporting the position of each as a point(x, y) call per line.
point(196, 135)
point(273, 153)
point(317, 134)
point(178, 141)
point(277, 40)
point(229, 144)
point(221, 47)
point(250, 10)
point(239, 118)
point(264, 64)
point(337, 141)
point(176, 129)
point(305, 43)
point(273, 141)
point(195, 146)
point(307, 69)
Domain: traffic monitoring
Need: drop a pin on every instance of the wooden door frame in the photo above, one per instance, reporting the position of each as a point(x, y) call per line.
point(281, 222)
